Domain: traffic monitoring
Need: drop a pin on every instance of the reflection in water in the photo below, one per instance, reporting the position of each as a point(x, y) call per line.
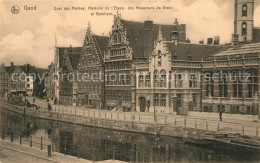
point(101, 144)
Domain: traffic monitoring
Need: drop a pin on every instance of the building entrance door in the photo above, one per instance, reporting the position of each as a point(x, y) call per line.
point(142, 104)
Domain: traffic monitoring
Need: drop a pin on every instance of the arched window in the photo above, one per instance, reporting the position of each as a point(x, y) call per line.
point(193, 81)
point(244, 29)
point(141, 81)
point(163, 78)
point(237, 78)
point(209, 84)
point(147, 79)
point(244, 10)
point(223, 84)
point(156, 78)
point(252, 83)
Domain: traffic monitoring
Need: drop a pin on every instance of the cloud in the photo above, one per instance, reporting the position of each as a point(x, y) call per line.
point(29, 36)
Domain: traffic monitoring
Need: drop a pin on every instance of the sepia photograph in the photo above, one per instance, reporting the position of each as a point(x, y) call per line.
point(116, 81)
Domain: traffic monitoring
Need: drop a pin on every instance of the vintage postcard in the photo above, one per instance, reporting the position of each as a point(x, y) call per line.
point(129, 81)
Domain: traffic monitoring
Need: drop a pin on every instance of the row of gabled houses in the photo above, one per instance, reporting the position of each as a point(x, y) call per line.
point(160, 70)
point(21, 80)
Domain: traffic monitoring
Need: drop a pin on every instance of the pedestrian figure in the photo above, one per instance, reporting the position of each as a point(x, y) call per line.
point(220, 114)
point(34, 100)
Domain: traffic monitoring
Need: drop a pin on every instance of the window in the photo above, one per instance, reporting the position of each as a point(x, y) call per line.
point(209, 84)
point(156, 78)
point(193, 81)
point(244, 29)
point(178, 80)
point(244, 10)
point(159, 60)
point(237, 84)
point(147, 80)
point(223, 84)
point(163, 100)
point(163, 78)
point(141, 81)
point(159, 99)
point(252, 84)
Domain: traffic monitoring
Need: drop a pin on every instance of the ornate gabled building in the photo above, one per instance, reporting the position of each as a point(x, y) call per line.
point(169, 82)
point(129, 43)
point(67, 74)
point(91, 86)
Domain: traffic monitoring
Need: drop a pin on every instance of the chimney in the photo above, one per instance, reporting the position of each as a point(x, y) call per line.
point(148, 25)
point(234, 40)
point(175, 37)
point(210, 41)
point(148, 38)
point(216, 40)
point(201, 41)
point(12, 64)
point(176, 22)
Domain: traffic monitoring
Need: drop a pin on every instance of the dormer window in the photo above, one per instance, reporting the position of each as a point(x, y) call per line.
point(244, 10)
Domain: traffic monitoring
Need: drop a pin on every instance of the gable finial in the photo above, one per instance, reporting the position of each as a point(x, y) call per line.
point(160, 36)
point(55, 40)
point(89, 27)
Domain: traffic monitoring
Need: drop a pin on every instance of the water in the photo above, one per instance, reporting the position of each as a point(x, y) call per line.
point(101, 144)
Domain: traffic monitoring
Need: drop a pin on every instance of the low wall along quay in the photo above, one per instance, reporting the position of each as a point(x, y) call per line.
point(191, 132)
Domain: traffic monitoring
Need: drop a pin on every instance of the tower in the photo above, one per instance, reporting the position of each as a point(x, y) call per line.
point(244, 20)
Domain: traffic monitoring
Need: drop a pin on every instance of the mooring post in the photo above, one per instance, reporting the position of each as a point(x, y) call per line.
point(206, 125)
point(165, 119)
point(20, 139)
point(49, 150)
point(243, 130)
point(12, 137)
point(185, 122)
point(218, 126)
point(30, 141)
point(41, 144)
point(175, 122)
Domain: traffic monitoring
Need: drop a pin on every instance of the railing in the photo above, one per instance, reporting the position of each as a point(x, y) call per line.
point(39, 142)
point(78, 150)
point(148, 118)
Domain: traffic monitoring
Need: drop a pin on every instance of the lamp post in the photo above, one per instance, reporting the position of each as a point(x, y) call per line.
point(220, 104)
point(174, 102)
point(154, 110)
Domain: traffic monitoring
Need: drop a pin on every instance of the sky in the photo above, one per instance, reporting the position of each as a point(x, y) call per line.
point(29, 36)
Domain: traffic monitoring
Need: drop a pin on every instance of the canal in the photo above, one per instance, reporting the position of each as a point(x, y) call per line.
point(101, 144)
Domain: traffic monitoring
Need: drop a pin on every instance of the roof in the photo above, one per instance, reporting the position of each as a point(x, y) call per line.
point(74, 59)
point(192, 52)
point(136, 35)
point(62, 50)
point(241, 49)
point(256, 34)
point(102, 42)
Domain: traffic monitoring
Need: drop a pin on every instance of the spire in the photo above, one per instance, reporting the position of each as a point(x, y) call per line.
point(160, 36)
point(89, 28)
point(55, 40)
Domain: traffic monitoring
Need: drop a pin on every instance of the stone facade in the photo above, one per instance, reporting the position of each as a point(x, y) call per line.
point(91, 89)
